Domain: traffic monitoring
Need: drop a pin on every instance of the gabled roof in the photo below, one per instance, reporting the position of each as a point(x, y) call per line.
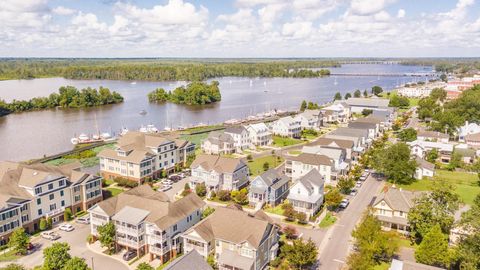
point(332, 142)
point(422, 163)
point(350, 132)
point(398, 199)
point(311, 179)
point(219, 164)
point(258, 127)
point(370, 119)
point(312, 159)
point(191, 260)
point(218, 137)
point(432, 134)
point(288, 121)
point(368, 102)
point(362, 125)
point(330, 152)
point(473, 137)
point(310, 114)
point(272, 178)
point(438, 145)
point(235, 129)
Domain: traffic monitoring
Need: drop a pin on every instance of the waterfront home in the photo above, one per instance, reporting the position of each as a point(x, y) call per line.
point(259, 134)
point(29, 193)
point(373, 129)
point(241, 139)
point(270, 187)
point(310, 119)
point(298, 166)
point(357, 105)
point(147, 221)
point(237, 239)
point(473, 140)
point(420, 90)
point(307, 194)
point(286, 127)
point(336, 113)
point(424, 169)
point(359, 136)
point(191, 260)
point(347, 145)
point(391, 207)
point(138, 156)
point(218, 143)
point(433, 136)
point(421, 148)
point(219, 173)
point(467, 129)
point(336, 155)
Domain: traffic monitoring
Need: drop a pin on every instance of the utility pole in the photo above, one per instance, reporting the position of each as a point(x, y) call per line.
point(93, 267)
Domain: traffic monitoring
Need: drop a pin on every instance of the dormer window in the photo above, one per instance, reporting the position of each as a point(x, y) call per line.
point(38, 190)
point(61, 182)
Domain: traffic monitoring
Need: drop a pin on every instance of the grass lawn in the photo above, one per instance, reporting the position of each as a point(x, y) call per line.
point(274, 210)
point(382, 266)
point(256, 165)
point(466, 184)
point(86, 162)
point(203, 129)
point(196, 138)
point(295, 152)
point(8, 256)
point(109, 182)
point(114, 191)
point(327, 221)
point(280, 141)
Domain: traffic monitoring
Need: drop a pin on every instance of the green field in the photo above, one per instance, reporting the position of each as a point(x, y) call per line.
point(86, 162)
point(256, 166)
point(327, 221)
point(466, 184)
point(8, 256)
point(114, 191)
point(295, 152)
point(281, 142)
point(274, 210)
point(196, 138)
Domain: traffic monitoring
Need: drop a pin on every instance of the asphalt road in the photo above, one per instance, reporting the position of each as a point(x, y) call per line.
point(77, 241)
point(337, 243)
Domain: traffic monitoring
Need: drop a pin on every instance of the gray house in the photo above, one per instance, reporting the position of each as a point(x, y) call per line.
point(270, 187)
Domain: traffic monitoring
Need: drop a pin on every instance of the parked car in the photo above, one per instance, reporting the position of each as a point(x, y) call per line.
point(359, 184)
point(50, 235)
point(167, 182)
point(165, 188)
point(130, 254)
point(353, 192)
point(175, 178)
point(83, 220)
point(344, 203)
point(66, 227)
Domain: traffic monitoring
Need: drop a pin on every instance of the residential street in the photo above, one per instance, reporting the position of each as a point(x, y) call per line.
point(336, 245)
point(77, 241)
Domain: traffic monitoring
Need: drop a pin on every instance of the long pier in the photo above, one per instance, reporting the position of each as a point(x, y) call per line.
point(386, 74)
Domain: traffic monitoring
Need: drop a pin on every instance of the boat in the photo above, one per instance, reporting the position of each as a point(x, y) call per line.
point(167, 128)
point(133, 83)
point(96, 137)
point(251, 83)
point(148, 129)
point(142, 112)
point(123, 131)
point(335, 82)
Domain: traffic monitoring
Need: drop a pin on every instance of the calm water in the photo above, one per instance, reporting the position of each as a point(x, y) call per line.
point(34, 134)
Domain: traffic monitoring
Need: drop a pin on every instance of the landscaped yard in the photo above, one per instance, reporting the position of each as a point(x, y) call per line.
point(281, 142)
point(256, 165)
point(274, 210)
point(327, 221)
point(8, 256)
point(114, 191)
point(295, 152)
point(86, 162)
point(466, 184)
point(196, 138)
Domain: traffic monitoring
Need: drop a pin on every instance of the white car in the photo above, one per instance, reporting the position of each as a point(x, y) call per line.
point(167, 182)
point(344, 203)
point(83, 220)
point(165, 188)
point(66, 227)
point(50, 235)
point(353, 192)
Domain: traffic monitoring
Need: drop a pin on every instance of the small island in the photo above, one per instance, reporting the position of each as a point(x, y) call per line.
point(67, 97)
point(195, 93)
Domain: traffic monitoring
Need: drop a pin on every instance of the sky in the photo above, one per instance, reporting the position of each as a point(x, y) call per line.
point(239, 28)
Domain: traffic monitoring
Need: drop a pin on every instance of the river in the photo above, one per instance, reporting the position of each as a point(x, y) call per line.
point(34, 134)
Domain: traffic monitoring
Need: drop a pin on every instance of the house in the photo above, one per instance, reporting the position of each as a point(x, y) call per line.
point(468, 154)
point(424, 169)
point(310, 119)
point(147, 221)
point(241, 139)
point(421, 148)
point(298, 166)
point(359, 136)
point(191, 260)
point(29, 193)
point(432, 136)
point(218, 143)
point(372, 128)
point(473, 140)
point(270, 187)
point(237, 239)
point(219, 173)
point(336, 113)
point(336, 155)
point(287, 127)
point(387, 116)
point(259, 134)
point(357, 105)
point(306, 195)
point(347, 145)
point(381, 122)
point(468, 128)
point(391, 207)
point(409, 265)
point(138, 156)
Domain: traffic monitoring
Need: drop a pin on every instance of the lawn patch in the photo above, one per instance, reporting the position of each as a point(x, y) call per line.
point(8, 256)
point(327, 221)
point(256, 165)
point(112, 192)
point(281, 142)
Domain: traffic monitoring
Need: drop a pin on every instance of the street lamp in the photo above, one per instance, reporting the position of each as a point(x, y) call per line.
point(93, 267)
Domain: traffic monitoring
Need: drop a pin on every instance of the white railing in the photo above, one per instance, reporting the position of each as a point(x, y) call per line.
point(130, 243)
point(130, 231)
point(55, 212)
point(156, 250)
point(200, 250)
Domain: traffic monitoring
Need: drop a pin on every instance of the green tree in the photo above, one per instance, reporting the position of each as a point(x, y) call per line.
point(19, 241)
point(301, 218)
point(241, 197)
point(408, 135)
point(266, 166)
point(56, 256)
point(432, 155)
point(249, 158)
point(207, 212)
point(433, 250)
point(333, 198)
point(396, 163)
point(106, 235)
point(76, 263)
point(43, 224)
point(288, 211)
point(435, 207)
point(67, 214)
point(303, 106)
point(13, 266)
point(211, 261)
point(347, 96)
point(346, 184)
point(455, 161)
point(365, 93)
point(357, 93)
point(438, 94)
point(377, 90)
point(468, 248)
point(366, 112)
point(399, 102)
point(443, 77)
point(145, 266)
point(49, 222)
point(337, 96)
point(201, 189)
point(301, 253)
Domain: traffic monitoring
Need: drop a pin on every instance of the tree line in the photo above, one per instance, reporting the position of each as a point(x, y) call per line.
point(160, 70)
point(67, 97)
point(195, 93)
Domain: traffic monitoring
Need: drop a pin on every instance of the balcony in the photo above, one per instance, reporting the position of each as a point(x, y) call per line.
point(130, 231)
point(130, 243)
point(156, 250)
point(55, 212)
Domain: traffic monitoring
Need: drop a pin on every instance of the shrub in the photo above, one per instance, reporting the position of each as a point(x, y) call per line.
point(213, 194)
point(266, 166)
point(223, 195)
point(289, 214)
point(43, 224)
point(90, 239)
point(201, 189)
point(67, 215)
point(290, 232)
point(249, 158)
point(81, 213)
point(49, 222)
point(301, 217)
point(123, 182)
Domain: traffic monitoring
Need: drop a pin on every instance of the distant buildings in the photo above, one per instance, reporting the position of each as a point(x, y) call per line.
point(455, 88)
point(336, 113)
point(357, 105)
point(420, 90)
point(138, 156)
point(432, 136)
point(467, 129)
point(421, 148)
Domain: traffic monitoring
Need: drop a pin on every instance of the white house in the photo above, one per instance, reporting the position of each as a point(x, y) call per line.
point(310, 119)
point(219, 173)
point(338, 112)
point(259, 134)
point(218, 143)
point(241, 139)
point(433, 136)
point(468, 128)
point(421, 148)
point(287, 127)
point(336, 155)
point(298, 166)
point(424, 169)
point(307, 194)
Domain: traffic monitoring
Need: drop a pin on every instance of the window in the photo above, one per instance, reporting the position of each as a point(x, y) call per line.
point(53, 207)
point(61, 193)
point(62, 203)
point(38, 190)
point(77, 198)
point(61, 183)
point(50, 186)
point(175, 227)
point(39, 212)
point(39, 201)
point(51, 196)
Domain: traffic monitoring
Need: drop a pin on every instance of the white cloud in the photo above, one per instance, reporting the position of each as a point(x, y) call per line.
point(63, 11)
point(297, 30)
point(401, 13)
point(368, 7)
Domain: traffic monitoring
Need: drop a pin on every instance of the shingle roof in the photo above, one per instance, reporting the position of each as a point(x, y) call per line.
point(370, 119)
point(235, 129)
point(312, 178)
point(473, 137)
point(330, 152)
point(368, 102)
point(425, 164)
point(362, 125)
point(218, 163)
point(332, 142)
point(191, 260)
point(273, 178)
point(351, 132)
point(312, 159)
point(398, 199)
point(432, 134)
point(218, 137)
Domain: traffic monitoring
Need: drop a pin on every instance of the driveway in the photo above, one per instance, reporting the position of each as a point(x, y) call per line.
point(77, 241)
point(337, 243)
